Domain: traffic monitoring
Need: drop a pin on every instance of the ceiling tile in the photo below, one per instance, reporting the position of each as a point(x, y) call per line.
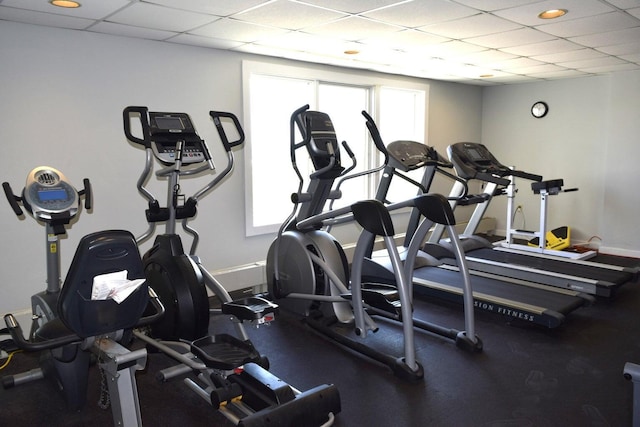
point(352, 28)
point(528, 14)
point(511, 38)
point(231, 29)
point(381, 55)
point(534, 49)
point(289, 15)
point(406, 40)
point(514, 78)
point(450, 49)
point(473, 26)
point(300, 41)
point(91, 9)
point(628, 35)
point(620, 49)
point(41, 18)
point(634, 12)
point(537, 69)
point(572, 55)
point(219, 8)
point(159, 17)
point(514, 64)
point(485, 58)
point(491, 5)
point(592, 24)
point(559, 74)
point(454, 39)
point(632, 57)
point(606, 69)
point(192, 40)
point(129, 31)
point(590, 63)
point(416, 14)
point(624, 4)
point(353, 6)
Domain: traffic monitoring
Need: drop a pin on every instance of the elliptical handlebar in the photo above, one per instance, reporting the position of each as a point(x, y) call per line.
point(375, 135)
point(126, 116)
point(216, 115)
point(329, 166)
point(172, 139)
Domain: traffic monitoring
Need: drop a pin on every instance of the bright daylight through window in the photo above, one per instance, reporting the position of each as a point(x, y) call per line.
point(271, 94)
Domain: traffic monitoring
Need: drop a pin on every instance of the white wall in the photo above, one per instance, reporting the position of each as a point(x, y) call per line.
point(588, 138)
point(62, 97)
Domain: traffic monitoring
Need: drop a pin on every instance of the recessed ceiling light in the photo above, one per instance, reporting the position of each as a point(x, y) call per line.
point(552, 13)
point(351, 52)
point(65, 3)
point(486, 76)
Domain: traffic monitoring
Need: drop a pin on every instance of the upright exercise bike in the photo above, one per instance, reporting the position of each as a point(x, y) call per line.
point(232, 374)
point(51, 199)
point(67, 321)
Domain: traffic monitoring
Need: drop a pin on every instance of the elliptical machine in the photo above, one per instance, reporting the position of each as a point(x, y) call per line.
point(307, 269)
point(231, 374)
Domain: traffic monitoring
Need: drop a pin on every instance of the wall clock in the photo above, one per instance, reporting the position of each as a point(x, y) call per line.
point(539, 109)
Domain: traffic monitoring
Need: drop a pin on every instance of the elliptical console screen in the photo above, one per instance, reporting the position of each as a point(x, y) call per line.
point(169, 123)
point(167, 129)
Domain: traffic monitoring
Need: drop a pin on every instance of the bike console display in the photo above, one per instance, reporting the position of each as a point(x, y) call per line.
point(47, 193)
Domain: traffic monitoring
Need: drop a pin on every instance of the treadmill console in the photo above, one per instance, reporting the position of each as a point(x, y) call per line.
point(471, 159)
point(166, 130)
point(410, 155)
point(47, 194)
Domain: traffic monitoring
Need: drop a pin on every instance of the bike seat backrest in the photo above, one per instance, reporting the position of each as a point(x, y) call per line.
point(100, 253)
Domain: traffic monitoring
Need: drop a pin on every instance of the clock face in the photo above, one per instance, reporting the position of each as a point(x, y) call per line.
point(539, 109)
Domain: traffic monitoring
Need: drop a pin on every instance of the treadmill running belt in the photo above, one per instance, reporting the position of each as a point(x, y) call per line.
point(615, 277)
point(530, 304)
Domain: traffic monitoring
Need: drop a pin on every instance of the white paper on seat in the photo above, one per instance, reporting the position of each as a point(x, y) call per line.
point(114, 286)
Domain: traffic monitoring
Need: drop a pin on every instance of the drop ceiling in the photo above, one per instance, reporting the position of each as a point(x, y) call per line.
point(484, 42)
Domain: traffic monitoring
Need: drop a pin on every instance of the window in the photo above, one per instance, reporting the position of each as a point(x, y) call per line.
point(272, 93)
point(402, 116)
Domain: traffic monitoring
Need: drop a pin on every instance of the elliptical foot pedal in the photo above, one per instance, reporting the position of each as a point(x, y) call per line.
point(379, 296)
point(382, 297)
point(254, 309)
point(224, 351)
point(276, 403)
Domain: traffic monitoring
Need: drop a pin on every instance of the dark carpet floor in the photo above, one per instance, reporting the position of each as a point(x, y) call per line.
point(526, 376)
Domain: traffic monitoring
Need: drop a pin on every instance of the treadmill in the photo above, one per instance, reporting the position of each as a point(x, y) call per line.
point(513, 299)
point(474, 161)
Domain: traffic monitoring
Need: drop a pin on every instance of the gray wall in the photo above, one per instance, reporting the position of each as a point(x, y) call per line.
point(589, 138)
point(63, 93)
